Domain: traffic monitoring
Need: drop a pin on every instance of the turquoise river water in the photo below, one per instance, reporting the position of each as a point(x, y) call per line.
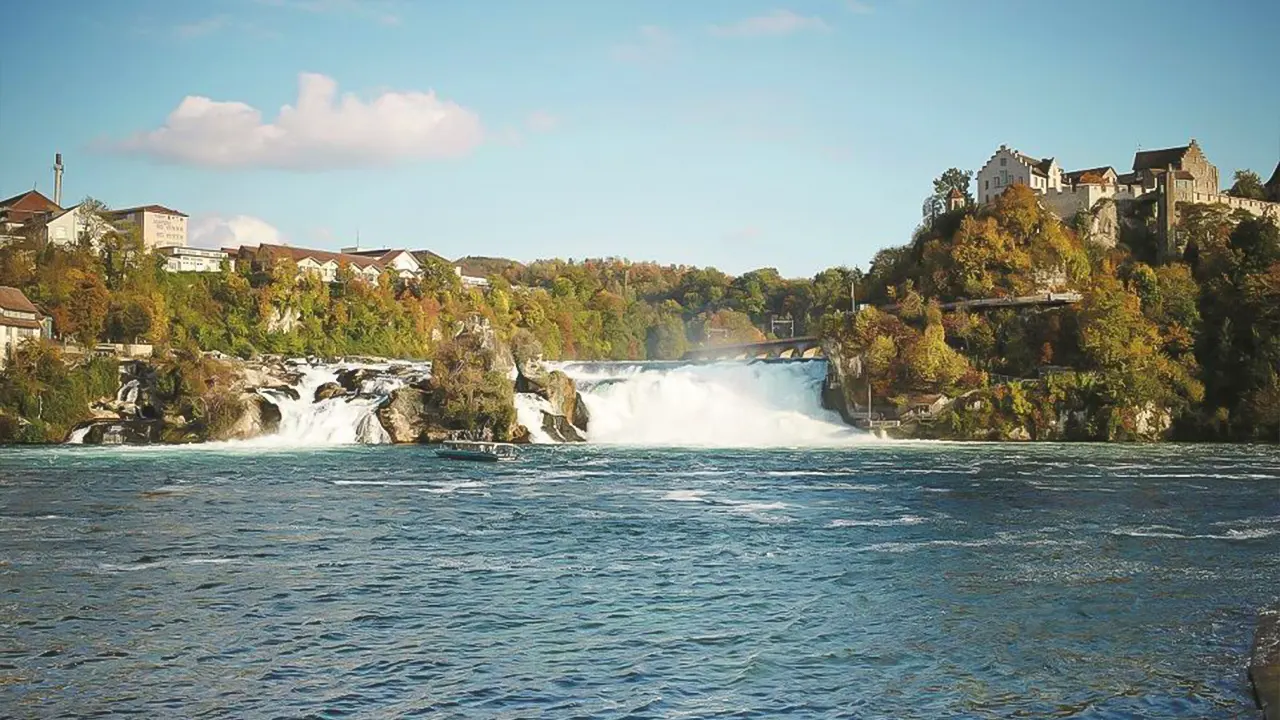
point(882, 580)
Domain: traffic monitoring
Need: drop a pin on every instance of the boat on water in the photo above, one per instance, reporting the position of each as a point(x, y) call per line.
point(478, 451)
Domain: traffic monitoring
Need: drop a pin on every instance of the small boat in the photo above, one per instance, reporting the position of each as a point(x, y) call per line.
point(478, 451)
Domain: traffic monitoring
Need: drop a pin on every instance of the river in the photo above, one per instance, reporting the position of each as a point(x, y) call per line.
point(879, 580)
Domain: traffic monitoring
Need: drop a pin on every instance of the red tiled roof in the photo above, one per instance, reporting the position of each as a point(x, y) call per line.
point(26, 206)
point(14, 300)
point(321, 256)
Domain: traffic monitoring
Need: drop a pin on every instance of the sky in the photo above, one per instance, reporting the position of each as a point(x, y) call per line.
point(795, 134)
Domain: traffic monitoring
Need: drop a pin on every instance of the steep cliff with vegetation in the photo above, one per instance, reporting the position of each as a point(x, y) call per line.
point(1189, 349)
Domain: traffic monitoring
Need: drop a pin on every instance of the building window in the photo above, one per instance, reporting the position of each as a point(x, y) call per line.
point(1004, 161)
point(986, 184)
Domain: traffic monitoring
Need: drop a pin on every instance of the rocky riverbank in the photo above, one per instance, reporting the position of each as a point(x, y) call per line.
point(1063, 407)
point(471, 393)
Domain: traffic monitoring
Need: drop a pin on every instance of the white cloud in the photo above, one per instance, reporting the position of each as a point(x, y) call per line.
point(541, 121)
point(778, 22)
point(321, 132)
point(652, 45)
point(215, 231)
point(859, 7)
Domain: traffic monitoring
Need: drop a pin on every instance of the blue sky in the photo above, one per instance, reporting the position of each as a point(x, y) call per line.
point(734, 133)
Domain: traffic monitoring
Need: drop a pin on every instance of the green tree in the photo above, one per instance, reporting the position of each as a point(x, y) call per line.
point(1248, 185)
point(953, 178)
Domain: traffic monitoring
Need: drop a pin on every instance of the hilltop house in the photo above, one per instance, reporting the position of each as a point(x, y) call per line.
point(1010, 167)
point(1188, 160)
point(21, 209)
point(321, 263)
point(180, 258)
point(158, 225)
point(401, 262)
point(19, 321)
point(472, 279)
point(65, 228)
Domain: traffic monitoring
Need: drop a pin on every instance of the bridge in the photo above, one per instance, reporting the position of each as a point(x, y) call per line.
point(800, 348)
point(1044, 300)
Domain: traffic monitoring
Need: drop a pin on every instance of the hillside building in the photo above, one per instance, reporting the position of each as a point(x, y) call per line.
point(1009, 167)
point(182, 259)
point(20, 321)
point(159, 226)
point(17, 211)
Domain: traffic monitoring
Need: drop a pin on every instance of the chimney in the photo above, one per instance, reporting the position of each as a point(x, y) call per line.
point(57, 179)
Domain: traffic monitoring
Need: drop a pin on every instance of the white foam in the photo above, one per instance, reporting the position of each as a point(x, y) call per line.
point(686, 496)
point(1166, 532)
point(879, 522)
point(730, 404)
point(529, 409)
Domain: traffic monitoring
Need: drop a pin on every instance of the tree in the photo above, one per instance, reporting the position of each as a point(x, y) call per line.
point(666, 340)
point(953, 178)
point(1248, 185)
point(91, 222)
point(85, 314)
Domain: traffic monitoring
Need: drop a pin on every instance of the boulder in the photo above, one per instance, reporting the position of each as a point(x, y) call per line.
point(410, 416)
point(560, 429)
point(520, 435)
point(352, 379)
point(497, 354)
point(257, 416)
point(284, 390)
point(557, 389)
point(329, 390)
point(121, 432)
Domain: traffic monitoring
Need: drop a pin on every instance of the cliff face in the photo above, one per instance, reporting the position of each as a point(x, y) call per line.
point(198, 400)
point(844, 371)
point(1058, 409)
point(568, 418)
point(1068, 407)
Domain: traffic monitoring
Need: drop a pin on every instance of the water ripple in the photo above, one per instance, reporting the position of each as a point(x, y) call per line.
point(886, 581)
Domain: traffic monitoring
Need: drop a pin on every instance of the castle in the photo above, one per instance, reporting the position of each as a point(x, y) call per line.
point(1172, 175)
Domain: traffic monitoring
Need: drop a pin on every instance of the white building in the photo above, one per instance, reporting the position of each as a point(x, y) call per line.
point(400, 262)
point(1010, 167)
point(179, 258)
point(67, 227)
point(158, 225)
point(324, 264)
point(19, 321)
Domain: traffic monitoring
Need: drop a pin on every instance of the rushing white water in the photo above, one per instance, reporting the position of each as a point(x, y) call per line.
point(341, 420)
point(77, 436)
point(128, 392)
point(529, 409)
point(729, 404)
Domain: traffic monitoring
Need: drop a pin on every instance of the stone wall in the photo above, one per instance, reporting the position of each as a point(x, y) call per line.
point(1257, 208)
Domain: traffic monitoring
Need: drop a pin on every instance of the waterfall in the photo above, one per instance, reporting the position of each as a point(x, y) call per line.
point(727, 404)
point(529, 409)
point(77, 436)
point(342, 420)
point(128, 392)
